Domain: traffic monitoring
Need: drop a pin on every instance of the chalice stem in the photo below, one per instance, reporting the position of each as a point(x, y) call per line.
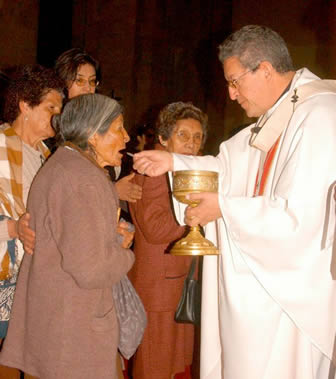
point(195, 229)
point(195, 234)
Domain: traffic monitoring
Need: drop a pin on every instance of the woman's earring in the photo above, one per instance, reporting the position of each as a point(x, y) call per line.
point(25, 118)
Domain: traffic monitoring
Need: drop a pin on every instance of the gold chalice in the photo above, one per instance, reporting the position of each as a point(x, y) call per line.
point(193, 181)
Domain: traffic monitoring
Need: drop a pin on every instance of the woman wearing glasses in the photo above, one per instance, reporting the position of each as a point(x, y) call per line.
point(167, 347)
point(82, 74)
point(80, 71)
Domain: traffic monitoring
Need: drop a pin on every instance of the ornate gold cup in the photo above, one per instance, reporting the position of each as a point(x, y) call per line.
point(193, 181)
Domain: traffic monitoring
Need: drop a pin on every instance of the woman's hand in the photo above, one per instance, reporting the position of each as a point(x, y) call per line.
point(153, 162)
point(122, 229)
point(127, 190)
point(20, 229)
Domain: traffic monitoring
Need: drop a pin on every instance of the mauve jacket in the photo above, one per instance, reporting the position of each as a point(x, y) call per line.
point(63, 323)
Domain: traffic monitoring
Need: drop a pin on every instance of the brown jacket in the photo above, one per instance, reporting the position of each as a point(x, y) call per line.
point(158, 278)
point(63, 322)
point(157, 275)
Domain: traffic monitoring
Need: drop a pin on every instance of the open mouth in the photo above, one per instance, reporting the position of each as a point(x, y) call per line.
point(187, 153)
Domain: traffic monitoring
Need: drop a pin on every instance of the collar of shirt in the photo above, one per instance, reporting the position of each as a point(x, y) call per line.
point(265, 133)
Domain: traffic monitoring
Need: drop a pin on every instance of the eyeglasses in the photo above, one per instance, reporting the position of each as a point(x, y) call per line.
point(234, 83)
point(81, 82)
point(185, 136)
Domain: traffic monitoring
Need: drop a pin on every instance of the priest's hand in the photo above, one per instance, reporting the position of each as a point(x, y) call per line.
point(153, 162)
point(207, 210)
point(127, 190)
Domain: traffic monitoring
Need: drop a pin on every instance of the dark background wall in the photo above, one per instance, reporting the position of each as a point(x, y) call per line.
point(157, 51)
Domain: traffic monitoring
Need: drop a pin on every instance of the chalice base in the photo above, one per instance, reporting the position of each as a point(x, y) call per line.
point(194, 244)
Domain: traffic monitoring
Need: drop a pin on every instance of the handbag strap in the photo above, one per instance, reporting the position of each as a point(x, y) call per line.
point(192, 268)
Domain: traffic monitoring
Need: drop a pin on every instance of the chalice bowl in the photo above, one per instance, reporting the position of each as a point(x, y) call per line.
point(193, 181)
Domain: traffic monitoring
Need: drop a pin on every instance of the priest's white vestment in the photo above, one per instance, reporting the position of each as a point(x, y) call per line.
point(269, 305)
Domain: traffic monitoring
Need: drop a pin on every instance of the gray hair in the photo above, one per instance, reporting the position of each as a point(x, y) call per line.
point(253, 44)
point(174, 112)
point(83, 116)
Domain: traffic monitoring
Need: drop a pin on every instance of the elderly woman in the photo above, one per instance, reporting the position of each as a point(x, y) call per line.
point(64, 323)
point(81, 72)
point(34, 96)
point(158, 277)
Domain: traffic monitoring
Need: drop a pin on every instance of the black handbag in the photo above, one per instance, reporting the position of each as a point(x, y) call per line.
point(189, 307)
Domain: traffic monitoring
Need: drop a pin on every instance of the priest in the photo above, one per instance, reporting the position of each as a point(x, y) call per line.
point(269, 305)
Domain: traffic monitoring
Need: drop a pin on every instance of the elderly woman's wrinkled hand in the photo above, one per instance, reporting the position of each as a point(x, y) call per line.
point(127, 190)
point(123, 230)
point(25, 234)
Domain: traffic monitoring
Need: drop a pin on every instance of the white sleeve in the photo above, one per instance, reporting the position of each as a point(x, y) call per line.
point(297, 216)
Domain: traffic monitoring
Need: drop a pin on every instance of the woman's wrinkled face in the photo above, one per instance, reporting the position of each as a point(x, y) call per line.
point(85, 81)
point(38, 118)
point(107, 146)
point(186, 138)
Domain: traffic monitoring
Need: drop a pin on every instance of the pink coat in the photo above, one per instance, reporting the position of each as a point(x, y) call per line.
point(63, 322)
